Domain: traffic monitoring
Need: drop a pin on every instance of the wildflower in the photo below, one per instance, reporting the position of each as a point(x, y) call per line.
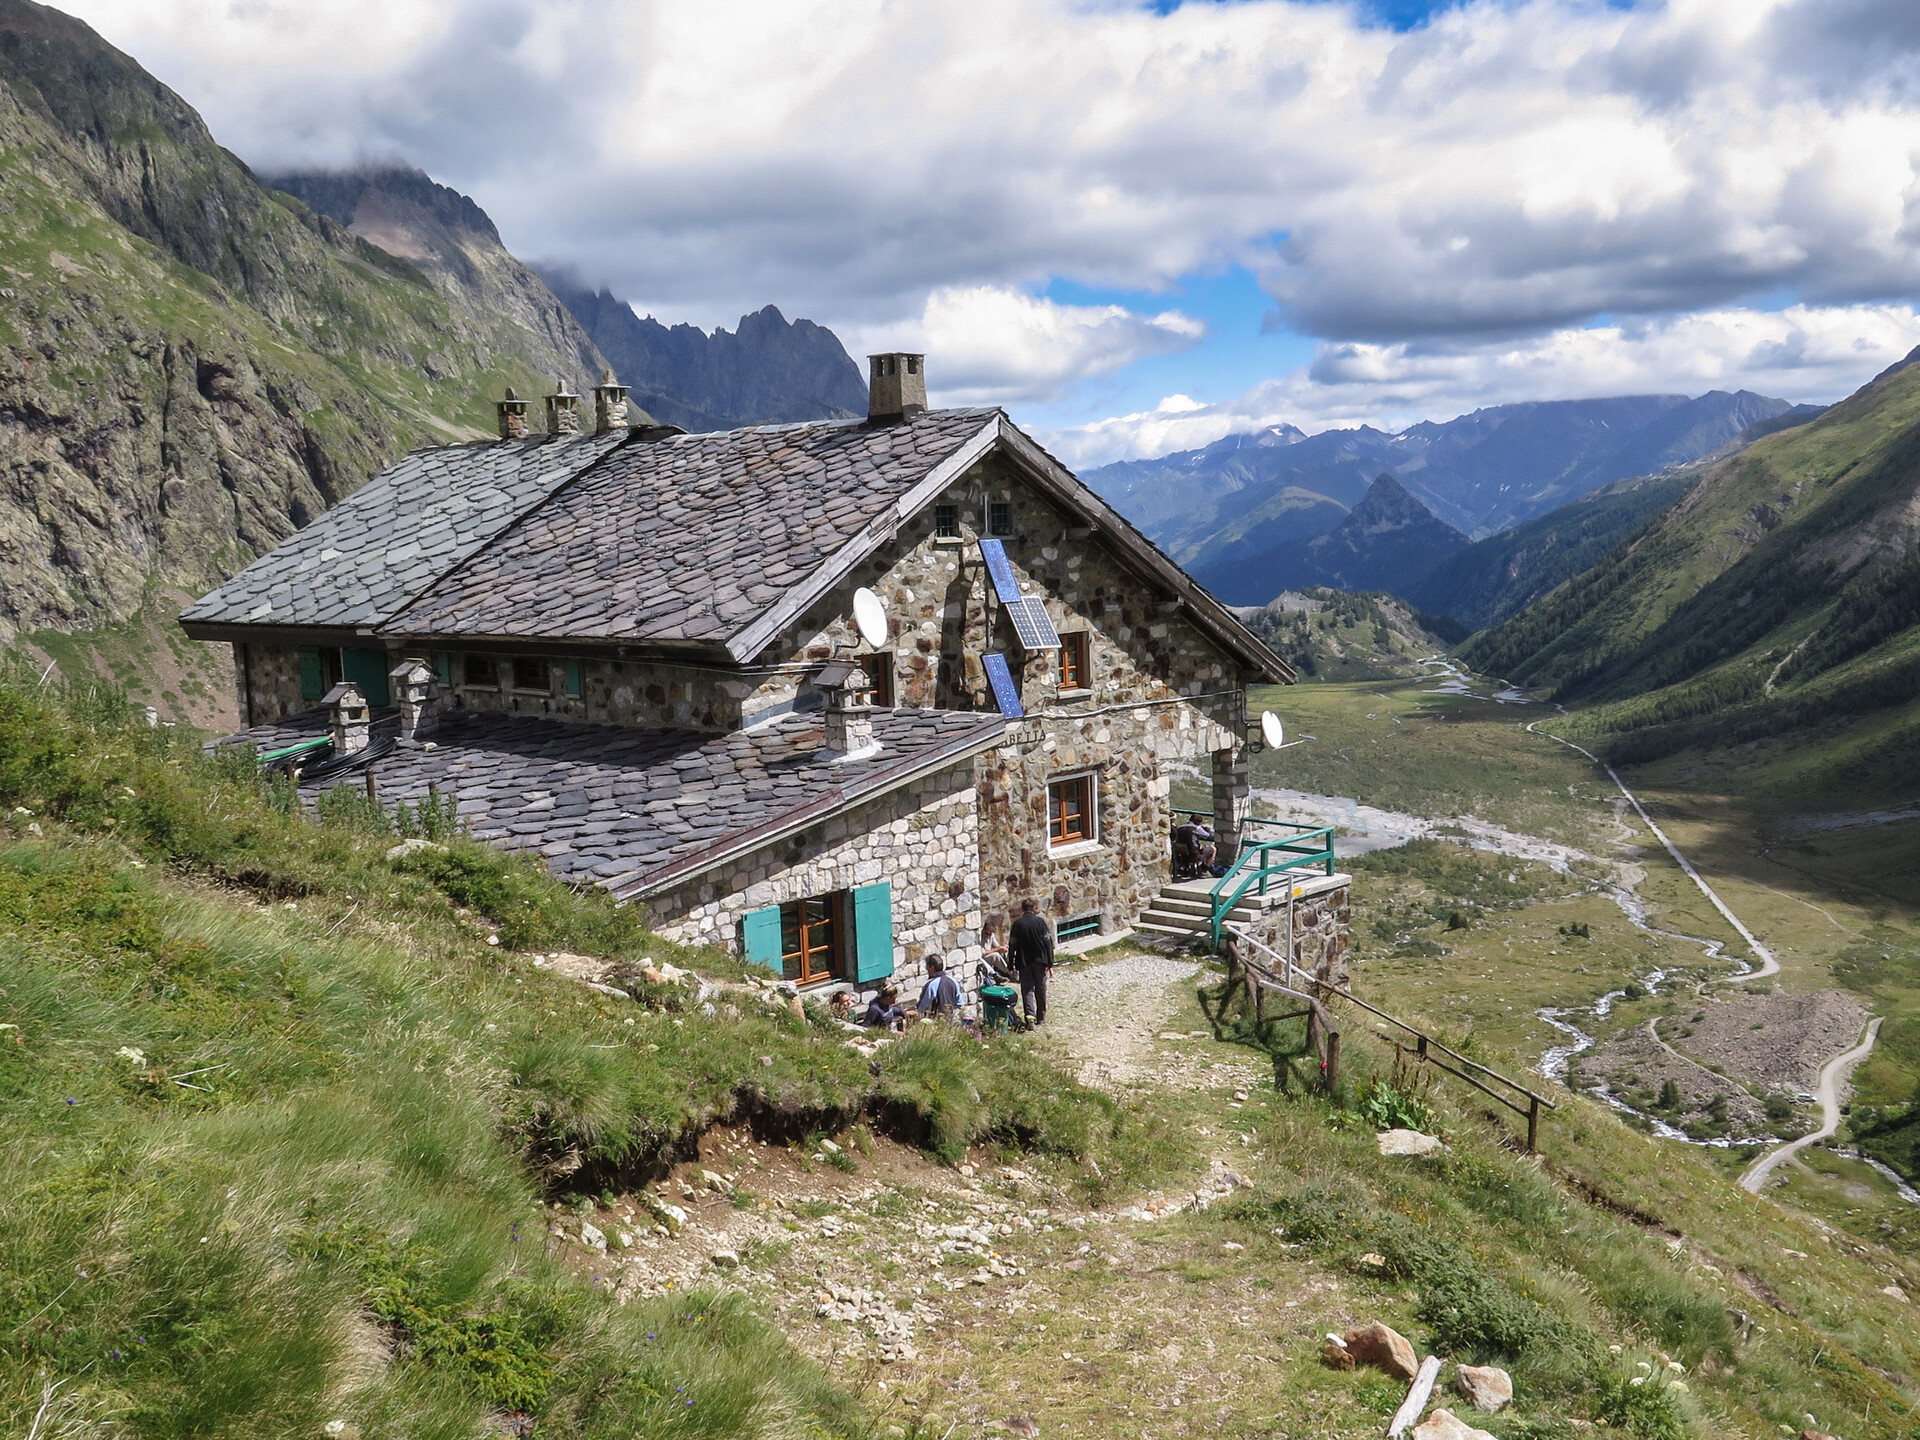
point(1676, 1367)
point(1613, 1349)
point(1638, 1380)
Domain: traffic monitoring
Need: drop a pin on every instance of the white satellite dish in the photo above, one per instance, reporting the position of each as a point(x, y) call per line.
point(871, 616)
point(1271, 730)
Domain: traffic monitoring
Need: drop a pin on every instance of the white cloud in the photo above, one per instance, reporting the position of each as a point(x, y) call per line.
point(1517, 167)
point(1800, 353)
point(997, 346)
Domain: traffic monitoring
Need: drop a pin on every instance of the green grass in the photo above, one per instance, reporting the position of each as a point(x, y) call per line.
point(282, 1122)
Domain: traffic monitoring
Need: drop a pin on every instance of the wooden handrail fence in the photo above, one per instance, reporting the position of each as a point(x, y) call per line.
point(1284, 978)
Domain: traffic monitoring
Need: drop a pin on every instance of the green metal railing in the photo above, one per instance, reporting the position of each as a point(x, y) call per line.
point(1260, 860)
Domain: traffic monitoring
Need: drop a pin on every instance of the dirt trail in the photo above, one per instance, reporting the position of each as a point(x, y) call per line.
point(1833, 1077)
point(1109, 1014)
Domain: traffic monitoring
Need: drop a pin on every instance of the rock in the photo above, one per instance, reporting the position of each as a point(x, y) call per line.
point(624, 1239)
point(413, 846)
point(671, 1217)
point(1408, 1142)
point(1336, 1356)
point(1378, 1262)
point(1488, 1386)
point(1815, 1435)
point(1021, 1425)
point(1445, 1425)
point(829, 1147)
point(1384, 1348)
point(716, 1182)
point(724, 1259)
point(592, 1236)
point(1893, 1290)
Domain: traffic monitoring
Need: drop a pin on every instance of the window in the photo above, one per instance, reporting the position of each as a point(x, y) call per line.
point(946, 521)
point(530, 673)
point(879, 668)
point(810, 938)
point(1074, 674)
point(478, 670)
point(1000, 517)
point(1070, 818)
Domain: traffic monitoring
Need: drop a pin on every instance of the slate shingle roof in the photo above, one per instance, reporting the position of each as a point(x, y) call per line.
point(691, 538)
point(631, 809)
point(364, 559)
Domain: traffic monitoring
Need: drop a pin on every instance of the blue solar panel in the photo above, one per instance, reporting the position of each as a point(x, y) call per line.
point(1005, 693)
point(1001, 569)
point(1032, 623)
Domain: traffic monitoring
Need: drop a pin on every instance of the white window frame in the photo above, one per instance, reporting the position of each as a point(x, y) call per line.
point(1091, 774)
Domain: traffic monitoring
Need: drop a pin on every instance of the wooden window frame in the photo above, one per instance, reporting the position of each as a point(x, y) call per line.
point(879, 668)
point(796, 955)
point(1076, 662)
point(544, 686)
point(1000, 518)
point(1060, 832)
point(946, 522)
point(488, 663)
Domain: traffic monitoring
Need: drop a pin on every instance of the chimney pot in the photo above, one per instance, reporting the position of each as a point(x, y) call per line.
point(609, 404)
point(897, 389)
point(416, 689)
point(563, 411)
point(849, 714)
point(512, 412)
point(349, 719)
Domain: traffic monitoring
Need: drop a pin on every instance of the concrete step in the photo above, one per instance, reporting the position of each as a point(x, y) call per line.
point(1181, 905)
point(1148, 927)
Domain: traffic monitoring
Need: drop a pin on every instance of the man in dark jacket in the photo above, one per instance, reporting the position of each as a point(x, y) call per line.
point(1030, 948)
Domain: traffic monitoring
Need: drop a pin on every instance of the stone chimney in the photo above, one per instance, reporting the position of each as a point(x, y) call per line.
point(513, 416)
point(351, 719)
point(609, 405)
point(416, 689)
point(563, 411)
point(849, 716)
point(898, 388)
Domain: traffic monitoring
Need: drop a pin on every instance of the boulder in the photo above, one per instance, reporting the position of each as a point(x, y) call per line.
point(592, 1236)
point(1445, 1425)
point(1383, 1348)
point(1336, 1356)
point(715, 1182)
point(725, 1259)
point(1488, 1386)
point(1408, 1142)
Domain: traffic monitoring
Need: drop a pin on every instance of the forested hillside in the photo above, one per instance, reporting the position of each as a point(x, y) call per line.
point(1782, 593)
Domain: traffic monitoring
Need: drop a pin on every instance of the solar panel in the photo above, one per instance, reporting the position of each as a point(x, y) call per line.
point(1005, 694)
point(1001, 569)
point(1033, 624)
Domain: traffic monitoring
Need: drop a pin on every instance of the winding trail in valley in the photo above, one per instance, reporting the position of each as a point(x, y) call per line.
point(1768, 964)
point(1833, 1077)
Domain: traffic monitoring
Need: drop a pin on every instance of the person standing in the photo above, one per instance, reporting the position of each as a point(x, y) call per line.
point(1030, 948)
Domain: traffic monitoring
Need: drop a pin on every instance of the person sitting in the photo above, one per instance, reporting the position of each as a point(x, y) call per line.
point(840, 1005)
point(940, 997)
point(1186, 864)
point(994, 959)
point(884, 1012)
point(1204, 850)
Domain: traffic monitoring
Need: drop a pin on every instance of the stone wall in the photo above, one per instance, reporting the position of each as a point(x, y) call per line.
point(1322, 921)
point(1159, 691)
point(266, 683)
point(923, 840)
point(612, 692)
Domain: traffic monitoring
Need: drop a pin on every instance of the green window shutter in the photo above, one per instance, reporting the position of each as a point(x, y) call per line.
point(872, 932)
point(573, 677)
point(760, 938)
point(368, 670)
point(313, 680)
point(443, 667)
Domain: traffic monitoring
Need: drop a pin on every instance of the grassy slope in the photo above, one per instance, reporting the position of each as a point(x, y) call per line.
point(1351, 637)
point(283, 1120)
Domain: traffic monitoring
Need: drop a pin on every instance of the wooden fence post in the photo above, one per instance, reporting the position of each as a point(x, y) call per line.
point(373, 792)
point(1333, 1059)
point(1533, 1125)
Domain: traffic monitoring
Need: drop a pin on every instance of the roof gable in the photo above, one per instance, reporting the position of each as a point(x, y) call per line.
point(361, 562)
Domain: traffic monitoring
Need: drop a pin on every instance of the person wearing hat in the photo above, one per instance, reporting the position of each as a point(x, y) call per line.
point(884, 1012)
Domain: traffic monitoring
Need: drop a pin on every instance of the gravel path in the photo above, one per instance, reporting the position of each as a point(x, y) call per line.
point(1833, 1079)
point(1110, 1013)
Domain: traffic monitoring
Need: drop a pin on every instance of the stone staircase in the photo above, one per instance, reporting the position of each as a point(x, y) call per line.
point(1183, 910)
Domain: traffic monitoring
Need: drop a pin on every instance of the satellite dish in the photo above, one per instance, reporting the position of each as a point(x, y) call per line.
point(1271, 730)
point(871, 616)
